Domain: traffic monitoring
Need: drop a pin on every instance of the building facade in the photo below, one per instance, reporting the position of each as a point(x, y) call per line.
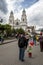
point(16, 24)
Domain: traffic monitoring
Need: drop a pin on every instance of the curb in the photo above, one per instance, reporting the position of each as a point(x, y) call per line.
point(8, 42)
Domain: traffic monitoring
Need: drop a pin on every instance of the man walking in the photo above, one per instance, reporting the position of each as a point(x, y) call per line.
point(22, 44)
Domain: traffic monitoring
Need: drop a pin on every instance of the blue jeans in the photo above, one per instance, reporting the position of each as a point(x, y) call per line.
point(35, 42)
point(21, 53)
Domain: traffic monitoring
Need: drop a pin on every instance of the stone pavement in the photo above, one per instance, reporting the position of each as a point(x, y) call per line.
point(9, 55)
point(37, 56)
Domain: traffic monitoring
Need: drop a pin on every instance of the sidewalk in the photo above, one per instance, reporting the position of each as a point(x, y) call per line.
point(8, 41)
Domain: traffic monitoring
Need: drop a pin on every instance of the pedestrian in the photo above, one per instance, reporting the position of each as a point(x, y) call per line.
point(41, 42)
point(29, 51)
point(30, 45)
point(34, 39)
point(22, 44)
point(2, 38)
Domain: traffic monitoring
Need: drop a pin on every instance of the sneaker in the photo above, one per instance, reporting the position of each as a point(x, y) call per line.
point(22, 60)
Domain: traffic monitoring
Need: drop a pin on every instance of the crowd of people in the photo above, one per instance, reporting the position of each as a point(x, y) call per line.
point(24, 42)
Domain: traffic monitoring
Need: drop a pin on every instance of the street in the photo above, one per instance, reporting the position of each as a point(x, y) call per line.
point(9, 55)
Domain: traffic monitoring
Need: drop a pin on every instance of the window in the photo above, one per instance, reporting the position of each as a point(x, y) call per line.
point(17, 23)
point(23, 19)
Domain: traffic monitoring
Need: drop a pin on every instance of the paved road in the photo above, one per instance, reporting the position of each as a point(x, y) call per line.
point(9, 55)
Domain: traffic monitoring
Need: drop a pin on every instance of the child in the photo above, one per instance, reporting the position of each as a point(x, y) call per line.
point(31, 43)
point(30, 51)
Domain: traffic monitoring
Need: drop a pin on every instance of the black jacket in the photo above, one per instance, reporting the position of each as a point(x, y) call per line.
point(22, 42)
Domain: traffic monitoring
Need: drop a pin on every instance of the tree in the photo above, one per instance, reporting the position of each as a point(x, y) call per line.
point(2, 28)
point(20, 31)
point(13, 31)
point(8, 29)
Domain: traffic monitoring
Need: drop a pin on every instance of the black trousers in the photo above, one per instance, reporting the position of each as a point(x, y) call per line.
point(41, 46)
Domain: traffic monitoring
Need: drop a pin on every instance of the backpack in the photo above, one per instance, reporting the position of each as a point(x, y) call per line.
point(21, 42)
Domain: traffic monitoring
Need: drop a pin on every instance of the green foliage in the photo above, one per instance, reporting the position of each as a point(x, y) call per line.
point(7, 29)
point(20, 31)
point(2, 28)
point(13, 31)
point(17, 30)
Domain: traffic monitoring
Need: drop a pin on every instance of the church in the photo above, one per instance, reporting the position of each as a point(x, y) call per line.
point(16, 24)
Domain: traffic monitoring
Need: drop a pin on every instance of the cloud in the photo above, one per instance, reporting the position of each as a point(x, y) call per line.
point(20, 4)
point(16, 4)
point(3, 16)
point(35, 14)
point(28, 3)
point(34, 10)
point(3, 6)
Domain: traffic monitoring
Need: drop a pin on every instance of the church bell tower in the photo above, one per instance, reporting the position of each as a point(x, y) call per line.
point(11, 19)
point(24, 19)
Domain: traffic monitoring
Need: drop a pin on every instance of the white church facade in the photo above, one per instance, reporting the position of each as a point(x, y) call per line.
point(16, 24)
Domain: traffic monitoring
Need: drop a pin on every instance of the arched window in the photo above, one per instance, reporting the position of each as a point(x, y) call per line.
point(17, 23)
point(23, 19)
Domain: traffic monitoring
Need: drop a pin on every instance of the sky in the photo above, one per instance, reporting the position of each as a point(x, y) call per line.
point(34, 10)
